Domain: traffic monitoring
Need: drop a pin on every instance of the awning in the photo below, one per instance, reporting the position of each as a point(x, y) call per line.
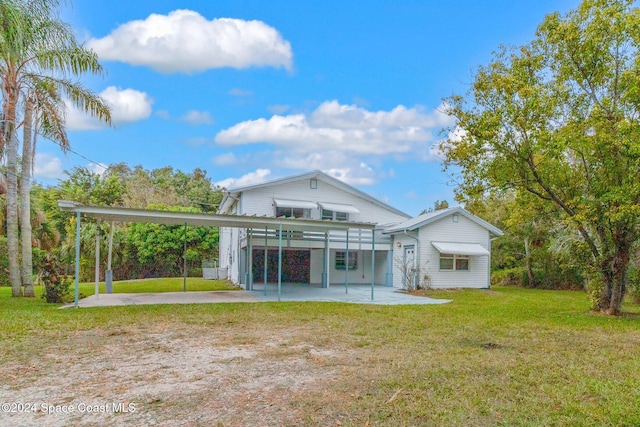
point(473, 249)
point(301, 204)
point(336, 207)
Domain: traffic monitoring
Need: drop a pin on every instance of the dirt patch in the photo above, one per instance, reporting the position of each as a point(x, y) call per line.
point(182, 377)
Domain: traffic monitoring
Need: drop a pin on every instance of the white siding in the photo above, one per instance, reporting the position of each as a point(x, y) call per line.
point(463, 231)
point(260, 201)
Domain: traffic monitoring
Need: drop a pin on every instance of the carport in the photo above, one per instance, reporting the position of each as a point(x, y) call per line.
point(278, 226)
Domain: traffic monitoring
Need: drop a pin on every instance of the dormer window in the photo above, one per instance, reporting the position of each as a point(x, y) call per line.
point(293, 208)
point(336, 211)
point(334, 216)
point(293, 212)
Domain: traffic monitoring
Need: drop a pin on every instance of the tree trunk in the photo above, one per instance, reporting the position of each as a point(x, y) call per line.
point(614, 279)
point(25, 201)
point(12, 211)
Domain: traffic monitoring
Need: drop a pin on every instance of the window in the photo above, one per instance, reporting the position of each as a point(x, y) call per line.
point(340, 260)
point(293, 212)
point(454, 262)
point(334, 216)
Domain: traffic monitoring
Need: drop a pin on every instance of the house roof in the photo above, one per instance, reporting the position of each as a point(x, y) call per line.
point(232, 193)
point(429, 217)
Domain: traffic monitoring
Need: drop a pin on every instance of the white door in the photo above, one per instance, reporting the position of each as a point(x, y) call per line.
point(409, 266)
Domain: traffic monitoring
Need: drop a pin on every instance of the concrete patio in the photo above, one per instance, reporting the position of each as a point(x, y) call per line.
point(357, 294)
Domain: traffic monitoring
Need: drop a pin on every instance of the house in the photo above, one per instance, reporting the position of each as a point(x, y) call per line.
point(363, 240)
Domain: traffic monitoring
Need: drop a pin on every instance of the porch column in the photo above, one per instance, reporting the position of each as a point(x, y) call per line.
point(250, 256)
point(279, 262)
point(184, 259)
point(76, 292)
point(325, 261)
point(389, 275)
point(97, 286)
point(346, 266)
point(266, 256)
point(373, 261)
point(108, 275)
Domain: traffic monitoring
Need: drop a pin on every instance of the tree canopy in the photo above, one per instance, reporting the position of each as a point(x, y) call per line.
point(559, 119)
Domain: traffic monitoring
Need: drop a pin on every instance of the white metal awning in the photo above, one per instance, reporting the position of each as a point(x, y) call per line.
point(301, 204)
point(473, 249)
point(337, 207)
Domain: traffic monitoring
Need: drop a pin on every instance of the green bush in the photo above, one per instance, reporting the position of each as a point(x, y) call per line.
point(4, 262)
point(57, 286)
point(509, 277)
point(633, 284)
point(194, 272)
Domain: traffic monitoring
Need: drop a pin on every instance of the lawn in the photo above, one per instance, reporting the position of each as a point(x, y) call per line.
point(168, 284)
point(511, 357)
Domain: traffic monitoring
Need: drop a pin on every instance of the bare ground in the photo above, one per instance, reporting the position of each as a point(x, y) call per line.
point(176, 375)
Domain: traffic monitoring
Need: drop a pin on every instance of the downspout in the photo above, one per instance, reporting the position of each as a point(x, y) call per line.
point(417, 257)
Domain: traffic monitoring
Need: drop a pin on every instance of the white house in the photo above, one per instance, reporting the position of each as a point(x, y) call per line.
point(450, 246)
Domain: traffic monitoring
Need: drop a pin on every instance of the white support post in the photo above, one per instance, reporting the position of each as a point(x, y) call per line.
point(108, 275)
point(97, 285)
point(346, 266)
point(373, 261)
point(76, 293)
point(280, 262)
point(266, 257)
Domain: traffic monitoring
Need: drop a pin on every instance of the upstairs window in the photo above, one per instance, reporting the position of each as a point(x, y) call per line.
point(293, 212)
point(334, 216)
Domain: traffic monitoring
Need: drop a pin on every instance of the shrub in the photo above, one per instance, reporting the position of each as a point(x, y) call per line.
point(4, 262)
point(509, 277)
point(57, 286)
point(633, 284)
point(194, 272)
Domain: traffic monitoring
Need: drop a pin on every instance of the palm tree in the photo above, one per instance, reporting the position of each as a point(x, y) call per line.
point(38, 54)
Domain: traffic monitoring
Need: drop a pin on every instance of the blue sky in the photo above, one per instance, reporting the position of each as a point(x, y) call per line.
point(256, 90)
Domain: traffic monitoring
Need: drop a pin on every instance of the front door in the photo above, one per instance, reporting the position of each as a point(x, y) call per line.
point(409, 267)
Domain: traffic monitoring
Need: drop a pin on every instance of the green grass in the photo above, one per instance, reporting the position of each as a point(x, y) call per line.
point(169, 284)
point(507, 357)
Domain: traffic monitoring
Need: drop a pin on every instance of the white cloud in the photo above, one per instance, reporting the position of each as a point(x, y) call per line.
point(195, 117)
point(257, 177)
point(346, 128)
point(47, 166)
point(97, 168)
point(185, 41)
point(278, 109)
point(127, 106)
point(240, 92)
point(225, 159)
point(163, 114)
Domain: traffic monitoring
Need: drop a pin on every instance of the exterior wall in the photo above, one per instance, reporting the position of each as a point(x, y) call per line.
point(362, 275)
point(260, 201)
point(445, 230)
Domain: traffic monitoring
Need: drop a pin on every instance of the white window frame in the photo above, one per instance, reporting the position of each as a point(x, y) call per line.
point(290, 212)
point(334, 215)
point(455, 262)
point(339, 260)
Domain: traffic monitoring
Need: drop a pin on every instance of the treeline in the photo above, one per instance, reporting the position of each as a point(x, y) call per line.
point(139, 250)
point(539, 248)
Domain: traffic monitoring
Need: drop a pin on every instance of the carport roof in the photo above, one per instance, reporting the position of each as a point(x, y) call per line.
point(210, 220)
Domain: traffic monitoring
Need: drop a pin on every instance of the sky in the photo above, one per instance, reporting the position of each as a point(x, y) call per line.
point(254, 90)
